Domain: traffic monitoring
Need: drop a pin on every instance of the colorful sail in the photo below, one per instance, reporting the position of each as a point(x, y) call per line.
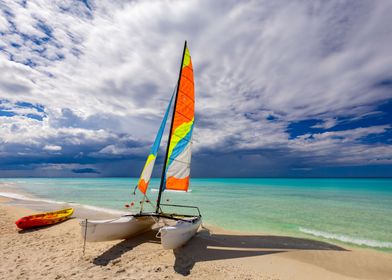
point(149, 165)
point(179, 154)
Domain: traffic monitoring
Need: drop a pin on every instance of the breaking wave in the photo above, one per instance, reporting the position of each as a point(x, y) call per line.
point(89, 207)
point(347, 239)
point(27, 198)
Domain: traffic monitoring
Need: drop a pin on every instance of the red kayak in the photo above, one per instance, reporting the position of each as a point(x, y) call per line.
point(44, 219)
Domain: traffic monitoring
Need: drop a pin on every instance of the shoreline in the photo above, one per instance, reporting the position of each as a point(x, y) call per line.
point(55, 252)
point(27, 200)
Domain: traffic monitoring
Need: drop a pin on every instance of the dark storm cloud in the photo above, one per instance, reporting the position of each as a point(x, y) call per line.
point(85, 170)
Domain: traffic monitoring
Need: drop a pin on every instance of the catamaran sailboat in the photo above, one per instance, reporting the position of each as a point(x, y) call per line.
point(178, 228)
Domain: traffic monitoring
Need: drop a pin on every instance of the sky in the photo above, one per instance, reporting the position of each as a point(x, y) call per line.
point(283, 88)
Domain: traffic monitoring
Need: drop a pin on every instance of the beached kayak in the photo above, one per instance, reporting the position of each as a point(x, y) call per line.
point(44, 219)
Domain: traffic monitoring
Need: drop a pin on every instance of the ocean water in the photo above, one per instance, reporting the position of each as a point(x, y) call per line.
point(350, 211)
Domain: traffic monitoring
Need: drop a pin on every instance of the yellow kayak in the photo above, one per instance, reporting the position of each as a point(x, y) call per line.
point(44, 219)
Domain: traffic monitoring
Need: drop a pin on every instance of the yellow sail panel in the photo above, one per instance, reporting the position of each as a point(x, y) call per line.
point(179, 155)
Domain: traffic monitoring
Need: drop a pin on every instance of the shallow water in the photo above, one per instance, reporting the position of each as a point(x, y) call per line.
point(352, 211)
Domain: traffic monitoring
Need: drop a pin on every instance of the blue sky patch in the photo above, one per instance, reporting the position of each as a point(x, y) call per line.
point(34, 116)
point(38, 107)
point(296, 129)
point(271, 118)
point(382, 115)
point(8, 109)
point(45, 28)
point(15, 45)
point(87, 4)
point(5, 113)
point(385, 83)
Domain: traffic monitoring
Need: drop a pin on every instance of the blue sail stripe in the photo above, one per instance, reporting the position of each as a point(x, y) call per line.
point(157, 142)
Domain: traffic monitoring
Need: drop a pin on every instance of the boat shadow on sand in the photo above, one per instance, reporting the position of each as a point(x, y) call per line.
point(124, 246)
point(208, 246)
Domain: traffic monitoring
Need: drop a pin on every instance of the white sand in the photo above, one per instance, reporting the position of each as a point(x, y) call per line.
point(56, 253)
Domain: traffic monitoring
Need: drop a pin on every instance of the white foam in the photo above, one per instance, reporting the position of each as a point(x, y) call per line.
point(14, 195)
point(90, 207)
point(23, 197)
point(347, 239)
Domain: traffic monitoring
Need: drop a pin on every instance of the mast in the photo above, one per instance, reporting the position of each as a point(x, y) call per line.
point(170, 133)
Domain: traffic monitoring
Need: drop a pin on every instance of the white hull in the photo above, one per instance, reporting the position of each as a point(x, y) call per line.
point(178, 234)
point(120, 228)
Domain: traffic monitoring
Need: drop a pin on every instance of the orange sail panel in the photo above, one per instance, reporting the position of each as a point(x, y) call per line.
point(149, 165)
point(179, 155)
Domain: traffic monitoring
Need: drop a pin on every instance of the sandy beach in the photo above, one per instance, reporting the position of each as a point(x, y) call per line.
point(56, 252)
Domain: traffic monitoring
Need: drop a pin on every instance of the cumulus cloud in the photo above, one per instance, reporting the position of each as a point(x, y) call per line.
point(52, 148)
point(95, 78)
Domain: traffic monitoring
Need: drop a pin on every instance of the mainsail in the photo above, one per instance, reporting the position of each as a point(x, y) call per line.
point(149, 165)
point(179, 152)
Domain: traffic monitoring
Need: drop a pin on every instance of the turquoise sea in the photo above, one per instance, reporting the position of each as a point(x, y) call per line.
point(349, 211)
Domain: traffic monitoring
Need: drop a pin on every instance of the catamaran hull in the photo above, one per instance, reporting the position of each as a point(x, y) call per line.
point(120, 228)
point(175, 236)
